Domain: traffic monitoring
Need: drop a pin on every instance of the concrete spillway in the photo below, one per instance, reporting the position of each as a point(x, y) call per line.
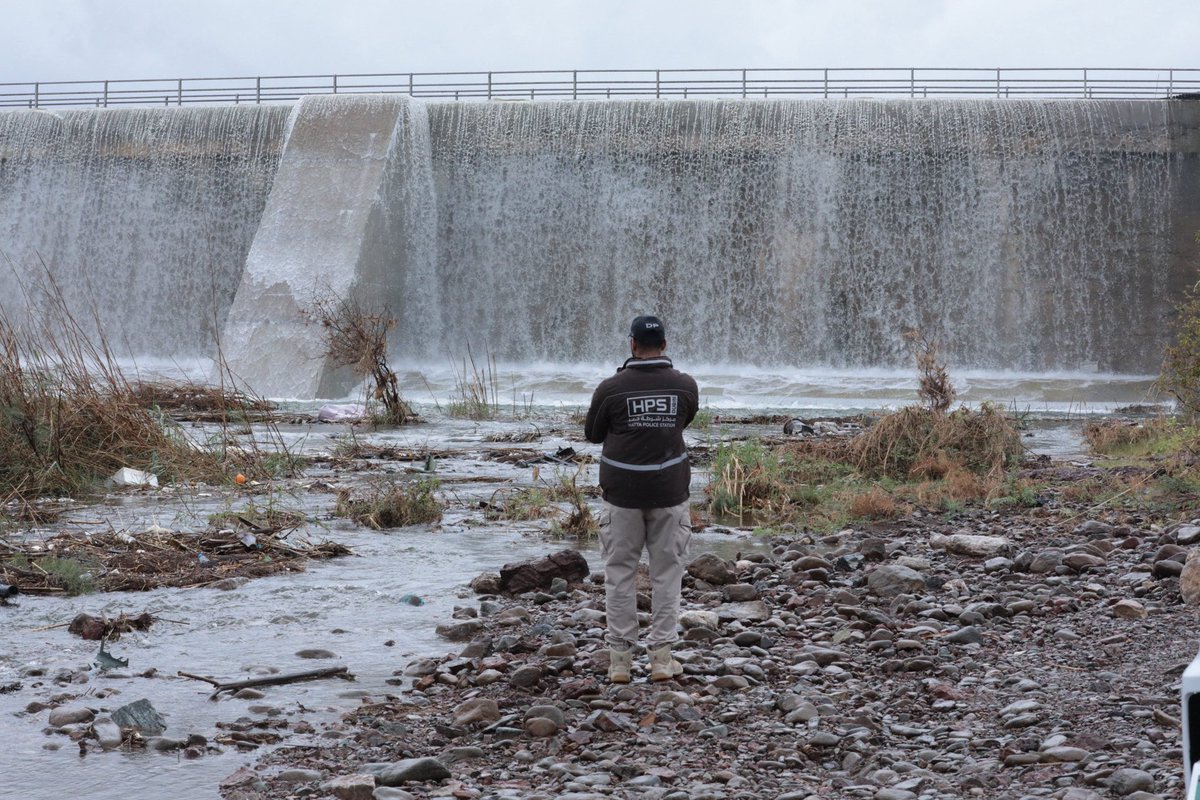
point(1022, 235)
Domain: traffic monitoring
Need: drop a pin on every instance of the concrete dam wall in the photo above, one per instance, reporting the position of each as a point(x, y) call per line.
point(1033, 236)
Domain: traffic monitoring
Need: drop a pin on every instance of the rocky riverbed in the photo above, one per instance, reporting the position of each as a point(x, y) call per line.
point(997, 654)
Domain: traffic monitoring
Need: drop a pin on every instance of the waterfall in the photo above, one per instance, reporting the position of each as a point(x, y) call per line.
point(143, 217)
point(1028, 236)
point(1023, 235)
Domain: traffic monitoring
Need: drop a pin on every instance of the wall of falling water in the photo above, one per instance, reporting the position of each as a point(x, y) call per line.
point(1032, 236)
point(1021, 235)
point(143, 217)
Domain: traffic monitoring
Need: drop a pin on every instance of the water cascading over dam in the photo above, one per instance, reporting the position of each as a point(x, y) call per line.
point(1022, 235)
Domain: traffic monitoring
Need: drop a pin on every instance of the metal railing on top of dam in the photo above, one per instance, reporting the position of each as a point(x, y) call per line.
point(910, 82)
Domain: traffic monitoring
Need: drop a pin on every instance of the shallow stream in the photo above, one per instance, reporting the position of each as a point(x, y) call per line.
point(349, 606)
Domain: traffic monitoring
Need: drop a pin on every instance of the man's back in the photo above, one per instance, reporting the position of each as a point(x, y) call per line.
point(639, 414)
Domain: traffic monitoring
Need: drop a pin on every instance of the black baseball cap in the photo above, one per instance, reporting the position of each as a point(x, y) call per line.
point(648, 330)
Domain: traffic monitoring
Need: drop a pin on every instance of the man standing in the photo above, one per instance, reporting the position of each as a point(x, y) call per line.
point(639, 415)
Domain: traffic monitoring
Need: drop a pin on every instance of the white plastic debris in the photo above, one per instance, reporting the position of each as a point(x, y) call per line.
point(132, 477)
point(341, 412)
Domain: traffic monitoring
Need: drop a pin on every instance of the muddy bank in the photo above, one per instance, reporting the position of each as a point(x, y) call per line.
point(1024, 652)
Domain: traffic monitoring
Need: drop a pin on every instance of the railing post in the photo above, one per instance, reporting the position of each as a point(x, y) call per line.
point(912, 82)
point(179, 92)
point(997, 83)
point(258, 90)
point(410, 84)
point(37, 95)
point(1085, 85)
point(574, 84)
point(1170, 83)
point(657, 85)
point(106, 94)
point(826, 83)
point(489, 87)
point(335, 84)
point(743, 84)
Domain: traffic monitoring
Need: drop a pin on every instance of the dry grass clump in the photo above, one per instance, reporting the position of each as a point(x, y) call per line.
point(392, 504)
point(918, 441)
point(874, 504)
point(580, 522)
point(1114, 436)
point(519, 505)
point(69, 419)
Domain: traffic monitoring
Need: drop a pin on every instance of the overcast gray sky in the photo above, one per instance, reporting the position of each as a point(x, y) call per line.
point(114, 39)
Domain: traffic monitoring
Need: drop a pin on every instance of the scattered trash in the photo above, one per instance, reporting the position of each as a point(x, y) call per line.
point(248, 539)
point(239, 479)
point(106, 660)
point(127, 476)
point(412, 600)
point(7, 591)
point(343, 412)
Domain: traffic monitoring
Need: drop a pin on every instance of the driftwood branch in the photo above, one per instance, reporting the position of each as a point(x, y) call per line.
point(271, 680)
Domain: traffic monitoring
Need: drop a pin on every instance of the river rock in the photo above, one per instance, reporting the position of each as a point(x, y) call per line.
point(108, 733)
point(70, 715)
point(539, 573)
point(315, 653)
point(352, 787)
point(712, 569)
point(1189, 579)
point(1046, 561)
point(699, 619)
point(972, 545)
point(1187, 534)
point(1126, 781)
point(459, 631)
point(486, 583)
point(392, 793)
point(299, 776)
point(548, 712)
point(541, 727)
point(476, 710)
point(525, 676)
point(142, 716)
point(410, 769)
point(740, 593)
point(1082, 562)
point(1128, 609)
point(1167, 568)
point(890, 580)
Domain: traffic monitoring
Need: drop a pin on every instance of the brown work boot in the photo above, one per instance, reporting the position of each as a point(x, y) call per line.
point(662, 666)
point(619, 663)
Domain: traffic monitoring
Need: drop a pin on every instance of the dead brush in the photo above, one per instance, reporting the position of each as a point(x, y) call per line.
point(70, 418)
point(392, 504)
point(580, 522)
point(934, 388)
point(356, 337)
point(1114, 436)
point(874, 504)
point(195, 402)
point(920, 441)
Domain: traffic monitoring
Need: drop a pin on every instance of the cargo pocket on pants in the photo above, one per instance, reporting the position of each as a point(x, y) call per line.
point(683, 536)
point(605, 520)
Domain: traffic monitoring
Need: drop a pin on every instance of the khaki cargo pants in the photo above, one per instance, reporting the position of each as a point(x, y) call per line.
point(664, 533)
